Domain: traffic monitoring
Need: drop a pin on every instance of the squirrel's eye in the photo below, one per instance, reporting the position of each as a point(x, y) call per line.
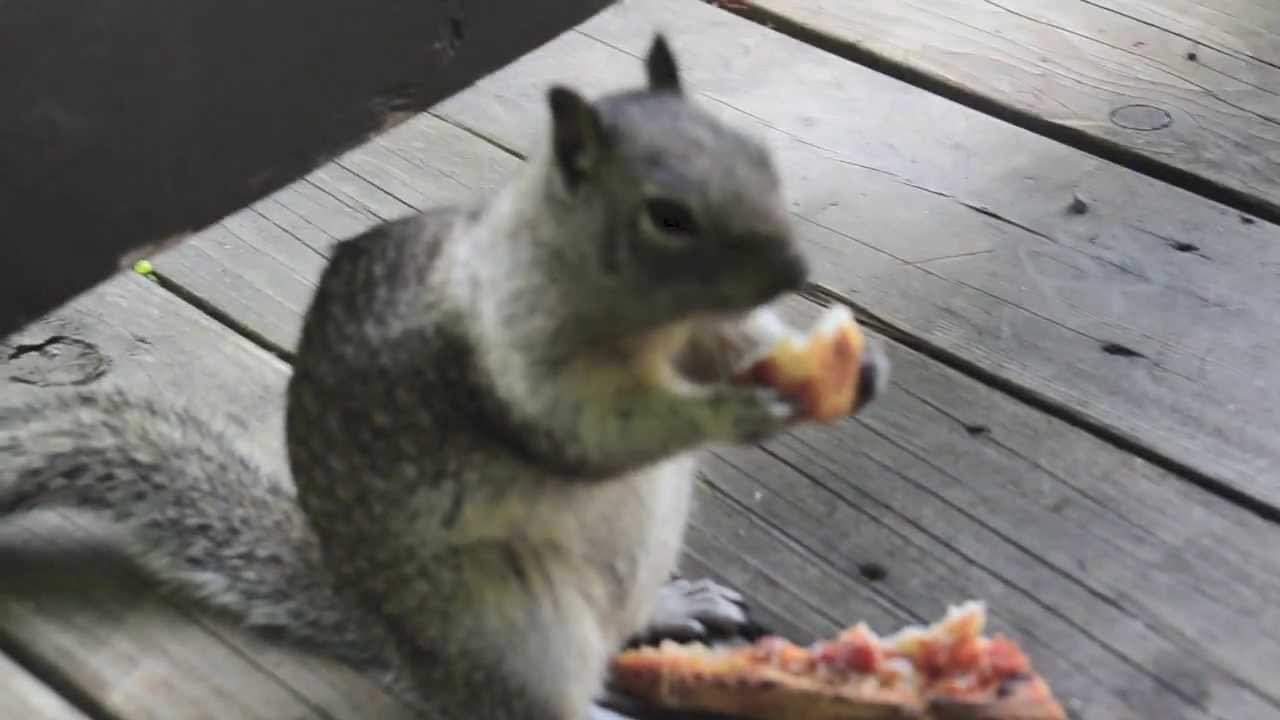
point(670, 216)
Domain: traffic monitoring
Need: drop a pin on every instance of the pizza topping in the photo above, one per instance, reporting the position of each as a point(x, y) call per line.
point(768, 648)
point(931, 658)
point(966, 656)
point(965, 621)
point(898, 671)
point(907, 642)
point(856, 651)
point(797, 660)
point(1005, 659)
point(962, 621)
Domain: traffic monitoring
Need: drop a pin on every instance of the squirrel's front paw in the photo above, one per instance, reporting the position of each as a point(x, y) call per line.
point(700, 609)
point(753, 414)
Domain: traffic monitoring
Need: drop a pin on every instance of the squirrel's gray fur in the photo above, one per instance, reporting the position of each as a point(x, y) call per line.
point(491, 448)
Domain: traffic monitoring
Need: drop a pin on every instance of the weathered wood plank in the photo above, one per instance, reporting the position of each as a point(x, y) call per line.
point(130, 653)
point(23, 696)
point(815, 514)
point(1151, 315)
point(1079, 69)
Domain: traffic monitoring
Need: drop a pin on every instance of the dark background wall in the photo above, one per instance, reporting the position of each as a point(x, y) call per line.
point(124, 123)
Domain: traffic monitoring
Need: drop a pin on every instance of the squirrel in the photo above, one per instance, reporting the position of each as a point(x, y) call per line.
point(492, 424)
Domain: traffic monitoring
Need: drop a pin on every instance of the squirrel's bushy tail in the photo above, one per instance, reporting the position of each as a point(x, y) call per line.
point(197, 514)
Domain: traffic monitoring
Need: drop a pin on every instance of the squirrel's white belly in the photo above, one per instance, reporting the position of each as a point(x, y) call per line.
point(634, 538)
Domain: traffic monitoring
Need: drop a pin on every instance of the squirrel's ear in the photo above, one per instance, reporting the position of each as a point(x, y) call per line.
point(577, 133)
point(661, 64)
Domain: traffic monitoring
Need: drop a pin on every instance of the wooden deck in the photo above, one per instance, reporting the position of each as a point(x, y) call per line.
point(1064, 216)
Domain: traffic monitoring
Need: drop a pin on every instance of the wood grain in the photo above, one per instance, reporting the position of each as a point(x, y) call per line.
point(1243, 28)
point(71, 610)
point(1151, 315)
point(1083, 68)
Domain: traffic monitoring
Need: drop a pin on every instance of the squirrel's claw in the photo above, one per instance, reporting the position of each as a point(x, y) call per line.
point(697, 609)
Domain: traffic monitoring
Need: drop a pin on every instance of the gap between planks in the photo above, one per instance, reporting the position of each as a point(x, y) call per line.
point(1229, 191)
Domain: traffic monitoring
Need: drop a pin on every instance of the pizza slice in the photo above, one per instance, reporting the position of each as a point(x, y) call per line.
point(819, 369)
point(947, 671)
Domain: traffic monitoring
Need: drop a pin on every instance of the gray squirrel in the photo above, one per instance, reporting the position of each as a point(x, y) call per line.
point(492, 423)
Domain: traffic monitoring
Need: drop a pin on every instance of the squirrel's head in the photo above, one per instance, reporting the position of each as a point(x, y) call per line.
point(681, 209)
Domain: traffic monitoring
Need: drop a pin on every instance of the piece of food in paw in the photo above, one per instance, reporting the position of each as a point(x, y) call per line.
point(818, 369)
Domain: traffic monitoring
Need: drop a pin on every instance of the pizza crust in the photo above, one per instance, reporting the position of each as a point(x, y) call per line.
point(1026, 698)
point(752, 692)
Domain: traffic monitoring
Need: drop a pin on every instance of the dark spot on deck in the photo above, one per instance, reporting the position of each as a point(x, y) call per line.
point(1182, 246)
point(1247, 220)
point(1078, 206)
point(1140, 117)
point(873, 571)
point(1119, 350)
point(57, 361)
point(976, 429)
point(1185, 673)
point(1192, 56)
